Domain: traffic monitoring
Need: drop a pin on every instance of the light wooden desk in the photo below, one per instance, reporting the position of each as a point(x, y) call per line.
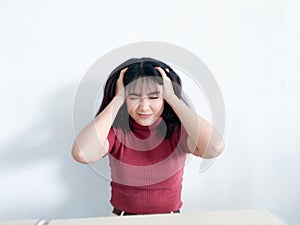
point(241, 217)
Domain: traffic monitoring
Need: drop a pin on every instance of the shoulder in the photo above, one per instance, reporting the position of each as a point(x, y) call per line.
point(180, 138)
point(115, 138)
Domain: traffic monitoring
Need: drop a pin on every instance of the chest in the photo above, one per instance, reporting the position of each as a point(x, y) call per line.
point(141, 152)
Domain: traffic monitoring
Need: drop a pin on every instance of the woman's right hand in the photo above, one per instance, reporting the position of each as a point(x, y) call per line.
point(120, 90)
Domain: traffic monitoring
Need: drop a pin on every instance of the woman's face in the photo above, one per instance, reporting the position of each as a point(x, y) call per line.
point(144, 100)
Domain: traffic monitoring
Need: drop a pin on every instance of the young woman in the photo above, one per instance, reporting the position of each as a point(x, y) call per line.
point(147, 130)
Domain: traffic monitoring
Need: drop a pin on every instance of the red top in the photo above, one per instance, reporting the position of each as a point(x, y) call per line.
point(146, 169)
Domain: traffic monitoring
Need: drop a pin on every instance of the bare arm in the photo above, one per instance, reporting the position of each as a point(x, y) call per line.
point(203, 139)
point(91, 143)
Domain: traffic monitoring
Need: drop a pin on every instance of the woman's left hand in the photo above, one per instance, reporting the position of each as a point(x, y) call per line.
point(167, 84)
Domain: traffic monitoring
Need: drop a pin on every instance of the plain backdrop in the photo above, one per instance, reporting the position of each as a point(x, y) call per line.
point(251, 47)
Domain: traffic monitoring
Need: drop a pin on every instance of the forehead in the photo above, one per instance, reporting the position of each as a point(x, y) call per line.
point(144, 85)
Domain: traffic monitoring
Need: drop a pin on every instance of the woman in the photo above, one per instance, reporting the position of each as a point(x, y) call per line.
point(147, 130)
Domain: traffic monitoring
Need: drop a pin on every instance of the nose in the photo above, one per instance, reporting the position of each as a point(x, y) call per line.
point(144, 104)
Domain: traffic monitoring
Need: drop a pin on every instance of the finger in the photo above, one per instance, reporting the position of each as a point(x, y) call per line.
point(162, 72)
point(122, 73)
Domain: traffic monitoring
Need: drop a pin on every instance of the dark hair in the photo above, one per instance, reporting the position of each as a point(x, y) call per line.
point(137, 68)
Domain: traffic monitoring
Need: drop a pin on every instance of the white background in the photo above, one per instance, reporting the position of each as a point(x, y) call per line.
point(250, 46)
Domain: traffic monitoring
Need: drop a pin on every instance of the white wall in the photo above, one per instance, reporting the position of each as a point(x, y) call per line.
point(250, 46)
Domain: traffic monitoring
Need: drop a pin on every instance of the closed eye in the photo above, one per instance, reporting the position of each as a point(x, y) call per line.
point(153, 97)
point(134, 96)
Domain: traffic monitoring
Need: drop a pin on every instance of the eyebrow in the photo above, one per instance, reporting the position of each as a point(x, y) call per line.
point(150, 93)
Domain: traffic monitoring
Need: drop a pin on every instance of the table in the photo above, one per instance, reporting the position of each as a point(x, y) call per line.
point(238, 217)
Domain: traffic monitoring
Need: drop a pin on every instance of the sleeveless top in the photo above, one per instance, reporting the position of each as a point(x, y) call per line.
point(146, 169)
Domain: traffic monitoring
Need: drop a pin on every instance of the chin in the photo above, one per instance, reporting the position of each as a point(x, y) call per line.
point(144, 123)
point(148, 122)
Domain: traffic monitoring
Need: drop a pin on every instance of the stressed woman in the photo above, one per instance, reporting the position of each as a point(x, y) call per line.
point(147, 130)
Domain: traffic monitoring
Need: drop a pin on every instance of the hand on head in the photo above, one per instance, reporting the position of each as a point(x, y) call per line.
point(120, 91)
point(167, 83)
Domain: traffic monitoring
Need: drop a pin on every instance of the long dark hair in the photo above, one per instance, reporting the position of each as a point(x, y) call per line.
point(137, 68)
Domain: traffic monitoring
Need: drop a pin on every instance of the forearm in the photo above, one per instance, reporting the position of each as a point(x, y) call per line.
point(91, 143)
point(204, 140)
